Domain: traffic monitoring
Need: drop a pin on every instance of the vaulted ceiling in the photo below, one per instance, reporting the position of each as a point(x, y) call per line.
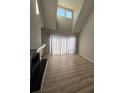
point(72, 4)
point(82, 9)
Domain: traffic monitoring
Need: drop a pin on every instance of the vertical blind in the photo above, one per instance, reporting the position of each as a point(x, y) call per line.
point(60, 45)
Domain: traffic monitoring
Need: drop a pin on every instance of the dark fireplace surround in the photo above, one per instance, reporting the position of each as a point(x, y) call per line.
point(37, 71)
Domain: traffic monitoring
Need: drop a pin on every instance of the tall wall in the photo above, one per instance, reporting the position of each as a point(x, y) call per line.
point(77, 11)
point(35, 26)
point(64, 25)
point(45, 39)
point(86, 39)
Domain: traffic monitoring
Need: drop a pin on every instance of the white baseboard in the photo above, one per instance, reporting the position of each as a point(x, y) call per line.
point(87, 58)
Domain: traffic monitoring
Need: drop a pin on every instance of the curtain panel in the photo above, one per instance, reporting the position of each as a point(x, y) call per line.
point(62, 44)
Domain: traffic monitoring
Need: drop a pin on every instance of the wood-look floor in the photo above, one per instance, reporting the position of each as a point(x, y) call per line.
point(69, 74)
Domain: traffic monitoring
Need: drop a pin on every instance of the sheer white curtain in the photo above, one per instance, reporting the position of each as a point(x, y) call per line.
point(60, 45)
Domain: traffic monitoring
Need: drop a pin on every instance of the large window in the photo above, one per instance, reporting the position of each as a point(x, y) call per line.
point(67, 13)
point(60, 45)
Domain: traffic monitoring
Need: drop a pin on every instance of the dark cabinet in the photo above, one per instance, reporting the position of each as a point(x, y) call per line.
point(37, 72)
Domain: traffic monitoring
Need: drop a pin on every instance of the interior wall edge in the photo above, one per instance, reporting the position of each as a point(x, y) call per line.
point(85, 22)
point(87, 58)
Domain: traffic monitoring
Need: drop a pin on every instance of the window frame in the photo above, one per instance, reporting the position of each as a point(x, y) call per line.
point(66, 9)
point(63, 9)
point(68, 16)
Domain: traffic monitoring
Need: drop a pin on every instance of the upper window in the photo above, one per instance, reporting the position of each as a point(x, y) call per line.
point(37, 8)
point(68, 14)
point(60, 11)
point(64, 12)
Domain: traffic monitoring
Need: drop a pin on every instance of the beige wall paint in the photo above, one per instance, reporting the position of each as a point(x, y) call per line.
point(41, 12)
point(86, 9)
point(86, 39)
point(35, 26)
point(77, 11)
point(49, 13)
point(45, 39)
point(64, 25)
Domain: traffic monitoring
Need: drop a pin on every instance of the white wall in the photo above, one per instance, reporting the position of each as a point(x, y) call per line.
point(86, 39)
point(35, 26)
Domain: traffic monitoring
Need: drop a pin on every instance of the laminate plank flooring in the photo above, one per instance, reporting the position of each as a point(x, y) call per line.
point(69, 74)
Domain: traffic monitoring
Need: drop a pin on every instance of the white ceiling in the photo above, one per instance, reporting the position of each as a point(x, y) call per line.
point(72, 4)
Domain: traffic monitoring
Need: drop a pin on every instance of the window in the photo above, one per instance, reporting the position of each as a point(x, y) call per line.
point(37, 9)
point(60, 12)
point(67, 13)
point(60, 45)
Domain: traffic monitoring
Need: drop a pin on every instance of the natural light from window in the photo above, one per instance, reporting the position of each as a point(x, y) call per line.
point(69, 14)
point(37, 9)
point(61, 45)
point(64, 12)
point(60, 11)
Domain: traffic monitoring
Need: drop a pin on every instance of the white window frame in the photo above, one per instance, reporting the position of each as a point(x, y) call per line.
point(66, 9)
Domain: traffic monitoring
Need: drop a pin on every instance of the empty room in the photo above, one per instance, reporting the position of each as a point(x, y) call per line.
point(62, 46)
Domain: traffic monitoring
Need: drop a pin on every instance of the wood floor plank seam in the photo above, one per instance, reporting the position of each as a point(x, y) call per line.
point(69, 74)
